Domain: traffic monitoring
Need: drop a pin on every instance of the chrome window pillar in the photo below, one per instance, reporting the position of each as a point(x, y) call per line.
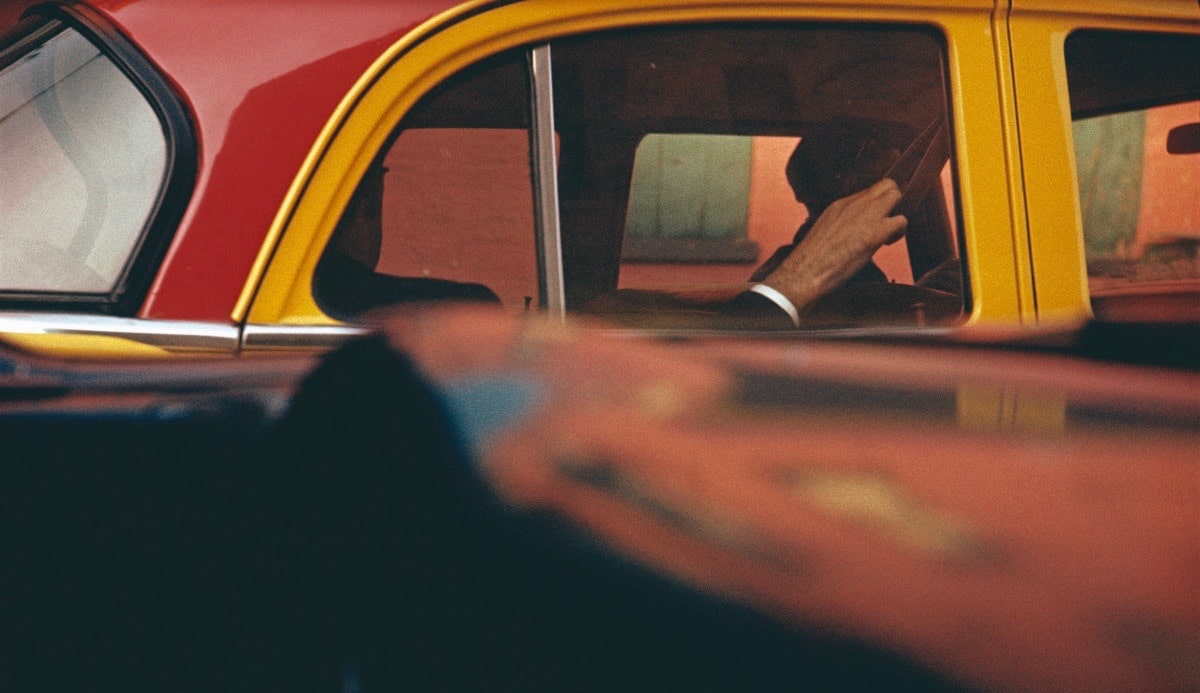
point(545, 182)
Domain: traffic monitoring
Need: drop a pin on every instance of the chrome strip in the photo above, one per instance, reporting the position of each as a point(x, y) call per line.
point(545, 181)
point(167, 334)
point(303, 337)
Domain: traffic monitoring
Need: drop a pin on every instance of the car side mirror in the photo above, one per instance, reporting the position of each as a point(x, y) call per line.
point(1184, 139)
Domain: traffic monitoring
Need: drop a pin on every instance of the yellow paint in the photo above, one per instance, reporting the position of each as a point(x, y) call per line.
point(1039, 29)
point(1119, 13)
point(983, 137)
point(998, 409)
point(77, 346)
point(1023, 310)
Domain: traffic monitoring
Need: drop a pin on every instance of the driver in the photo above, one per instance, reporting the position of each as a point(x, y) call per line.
point(835, 248)
point(838, 172)
point(836, 159)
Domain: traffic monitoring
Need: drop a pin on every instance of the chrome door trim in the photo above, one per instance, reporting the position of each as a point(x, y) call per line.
point(545, 181)
point(297, 337)
point(175, 335)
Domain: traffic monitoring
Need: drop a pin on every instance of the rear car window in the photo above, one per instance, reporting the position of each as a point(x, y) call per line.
point(445, 213)
point(83, 157)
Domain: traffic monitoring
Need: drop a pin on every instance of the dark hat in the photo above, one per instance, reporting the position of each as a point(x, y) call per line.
point(836, 158)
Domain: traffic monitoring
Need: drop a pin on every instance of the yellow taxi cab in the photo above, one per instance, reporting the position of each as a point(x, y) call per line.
point(235, 177)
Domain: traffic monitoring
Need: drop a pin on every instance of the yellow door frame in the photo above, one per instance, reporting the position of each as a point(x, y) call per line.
point(1038, 30)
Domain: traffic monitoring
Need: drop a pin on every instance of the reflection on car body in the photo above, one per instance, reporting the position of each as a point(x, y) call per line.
point(475, 499)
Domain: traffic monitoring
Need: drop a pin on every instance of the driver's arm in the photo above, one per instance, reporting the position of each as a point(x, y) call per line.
point(841, 242)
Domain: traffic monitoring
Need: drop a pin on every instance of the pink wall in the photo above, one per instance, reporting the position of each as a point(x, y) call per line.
point(459, 207)
point(1165, 214)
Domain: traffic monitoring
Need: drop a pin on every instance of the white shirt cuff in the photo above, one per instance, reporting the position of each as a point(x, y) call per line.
point(779, 300)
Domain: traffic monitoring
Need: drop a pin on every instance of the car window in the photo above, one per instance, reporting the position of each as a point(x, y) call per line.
point(692, 203)
point(83, 161)
point(688, 155)
point(446, 210)
point(677, 176)
point(1139, 197)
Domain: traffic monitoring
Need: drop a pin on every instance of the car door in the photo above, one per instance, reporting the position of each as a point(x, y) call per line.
point(1113, 209)
point(512, 154)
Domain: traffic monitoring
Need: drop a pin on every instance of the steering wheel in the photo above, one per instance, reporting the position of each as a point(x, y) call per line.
point(881, 304)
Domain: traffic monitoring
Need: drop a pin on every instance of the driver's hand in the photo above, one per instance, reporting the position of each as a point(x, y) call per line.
point(840, 243)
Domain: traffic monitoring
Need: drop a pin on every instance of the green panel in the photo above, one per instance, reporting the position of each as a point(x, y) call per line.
point(1109, 152)
point(690, 186)
point(642, 218)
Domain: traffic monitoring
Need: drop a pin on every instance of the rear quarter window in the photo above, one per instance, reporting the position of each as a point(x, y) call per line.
point(86, 159)
point(1140, 201)
point(83, 159)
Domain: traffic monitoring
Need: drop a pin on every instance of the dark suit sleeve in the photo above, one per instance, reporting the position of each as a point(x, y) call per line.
point(347, 289)
point(749, 309)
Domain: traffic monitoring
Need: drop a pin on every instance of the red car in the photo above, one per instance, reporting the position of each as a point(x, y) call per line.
point(175, 167)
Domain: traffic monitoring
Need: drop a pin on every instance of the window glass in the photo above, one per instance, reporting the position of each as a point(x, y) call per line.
point(690, 156)
point(1132, 95)
point(82, 159)
point(446, 210)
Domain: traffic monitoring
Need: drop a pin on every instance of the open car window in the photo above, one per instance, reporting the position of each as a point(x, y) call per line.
point(446, 211)
point(693, 155)
point(1132, 95)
